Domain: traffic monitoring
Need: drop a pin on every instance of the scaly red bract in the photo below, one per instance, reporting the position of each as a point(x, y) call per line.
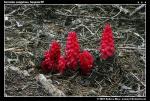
point(54, 51)
point(86, 62)
point(72, 51)
point(107, 48)
point(51, 57)
point(61, 64)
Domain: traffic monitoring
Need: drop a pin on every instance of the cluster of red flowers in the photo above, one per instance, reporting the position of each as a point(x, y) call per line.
point(107, 43)
point(53, 61)
point(72, 51)
point(86, 62)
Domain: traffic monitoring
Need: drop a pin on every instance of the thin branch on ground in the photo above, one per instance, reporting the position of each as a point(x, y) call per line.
point(137, 9)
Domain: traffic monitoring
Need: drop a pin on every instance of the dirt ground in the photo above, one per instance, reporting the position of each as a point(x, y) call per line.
point(29, 30)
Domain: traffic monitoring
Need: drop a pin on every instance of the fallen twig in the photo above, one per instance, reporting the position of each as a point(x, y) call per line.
point(116, 14)
point(13, 49)
point(82, 25)
point(87, 29)
point(121, 8)
point(137, 79)
point(9, 14)
point(131, 48)
point(137, 9)
point(48, 86)
point(139, 36)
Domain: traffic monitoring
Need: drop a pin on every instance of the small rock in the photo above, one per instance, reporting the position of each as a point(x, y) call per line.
point(25, 73)
point(30, 70)
point(49, 80)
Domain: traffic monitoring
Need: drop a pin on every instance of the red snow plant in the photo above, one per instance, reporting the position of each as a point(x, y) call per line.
point(107, 48)
point(53, 61)
point(72, 51)
point(86, 62)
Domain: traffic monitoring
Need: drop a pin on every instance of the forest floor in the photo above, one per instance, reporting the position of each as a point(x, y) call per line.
point(29, 29)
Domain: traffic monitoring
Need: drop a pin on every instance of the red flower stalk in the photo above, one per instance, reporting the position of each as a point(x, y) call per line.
point(61, 64)
point(72, 51)
point(54, 51)
point(86, 62)
point(51, 57)
point(107, 48)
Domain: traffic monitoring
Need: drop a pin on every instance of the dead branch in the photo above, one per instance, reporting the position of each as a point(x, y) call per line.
point(82, 25)
point(134, 76)
point(13, 49)
point(116, 14)
point(9, 14)
point(139, 36)
point(121, 8)
point(137, 9)
point(48, 86)
point(136, 48)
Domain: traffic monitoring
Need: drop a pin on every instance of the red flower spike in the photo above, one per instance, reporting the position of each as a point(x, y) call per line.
point(51, 57)
point(86, 62)
point(61, 64)
point(72, 51)
point(107, 48)
point(54, 51)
